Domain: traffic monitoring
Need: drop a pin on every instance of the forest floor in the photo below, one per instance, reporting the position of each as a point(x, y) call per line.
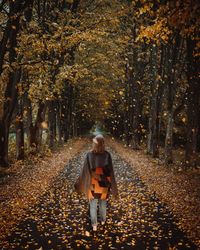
point(24, 182)
point(40, 210)
point(174, 186)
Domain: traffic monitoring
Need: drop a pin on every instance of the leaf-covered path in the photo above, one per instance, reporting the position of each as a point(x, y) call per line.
point(61, 219)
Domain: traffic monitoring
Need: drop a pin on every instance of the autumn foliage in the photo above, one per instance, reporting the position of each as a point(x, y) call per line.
point(131, 65)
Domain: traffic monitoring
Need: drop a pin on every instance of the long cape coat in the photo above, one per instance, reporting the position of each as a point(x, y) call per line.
point(92, 161)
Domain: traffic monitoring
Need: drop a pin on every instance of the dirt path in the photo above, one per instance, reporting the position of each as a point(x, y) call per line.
point(60, 220)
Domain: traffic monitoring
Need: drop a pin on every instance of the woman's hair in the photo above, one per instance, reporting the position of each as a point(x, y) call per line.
point(98, 145)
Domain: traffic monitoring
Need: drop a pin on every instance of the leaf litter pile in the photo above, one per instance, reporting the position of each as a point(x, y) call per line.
point(60, 220)
point(179, 190)
point(21, 189)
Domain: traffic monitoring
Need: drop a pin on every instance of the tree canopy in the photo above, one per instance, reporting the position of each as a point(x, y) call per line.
point(130, 65)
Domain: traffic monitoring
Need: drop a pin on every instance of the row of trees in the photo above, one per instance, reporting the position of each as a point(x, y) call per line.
point(131, 65)
point(161, 93)
point(55, 70)
point(34, 46)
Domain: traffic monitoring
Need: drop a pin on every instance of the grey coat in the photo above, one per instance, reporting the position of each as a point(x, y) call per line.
point(93, 160)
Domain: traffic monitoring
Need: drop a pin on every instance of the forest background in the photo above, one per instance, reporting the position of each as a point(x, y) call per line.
point(131, 66)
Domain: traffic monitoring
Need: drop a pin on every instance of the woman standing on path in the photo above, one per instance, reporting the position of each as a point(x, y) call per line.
point(97, 180)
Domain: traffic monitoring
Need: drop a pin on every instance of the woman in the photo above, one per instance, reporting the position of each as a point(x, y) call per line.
point(97, 180)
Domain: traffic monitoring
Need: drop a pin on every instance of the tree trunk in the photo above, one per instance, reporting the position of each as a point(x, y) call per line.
point(59, 121)
point(156, 119)
point(52, 123)
point(169, 138)
point(135, 111)
point(9, 105)
point(35, 129)
point(193, 105)
point(4, 133)
point(150, 136)
point(64, 120)
point(69, 113)
point(135, 71)
point(29, 120)
point(19, 126)
point(8, 44)
point(127, 103)
point(173, 52)
point(153, 135)
point(198, 137)
point(73, 114)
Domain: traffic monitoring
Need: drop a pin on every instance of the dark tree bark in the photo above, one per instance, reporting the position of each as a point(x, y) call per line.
point(4, 132)
point(137, 72)
point(193, 104)
point(29, 119)
point(52, 123)
point(35, 129)
point(64, 119)
point(59, 121)
point(74, 120)
point(19, 127)
point(70, 108)
point(127, 104)
point(9, 43)
point(16, 10)
point(9, 105)
point(155, 106)
point(171, 88)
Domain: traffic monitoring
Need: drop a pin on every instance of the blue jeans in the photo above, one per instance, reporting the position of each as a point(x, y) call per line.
point(93, 210)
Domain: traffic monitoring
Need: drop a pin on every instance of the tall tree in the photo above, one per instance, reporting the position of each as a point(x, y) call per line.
point(8, 51)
